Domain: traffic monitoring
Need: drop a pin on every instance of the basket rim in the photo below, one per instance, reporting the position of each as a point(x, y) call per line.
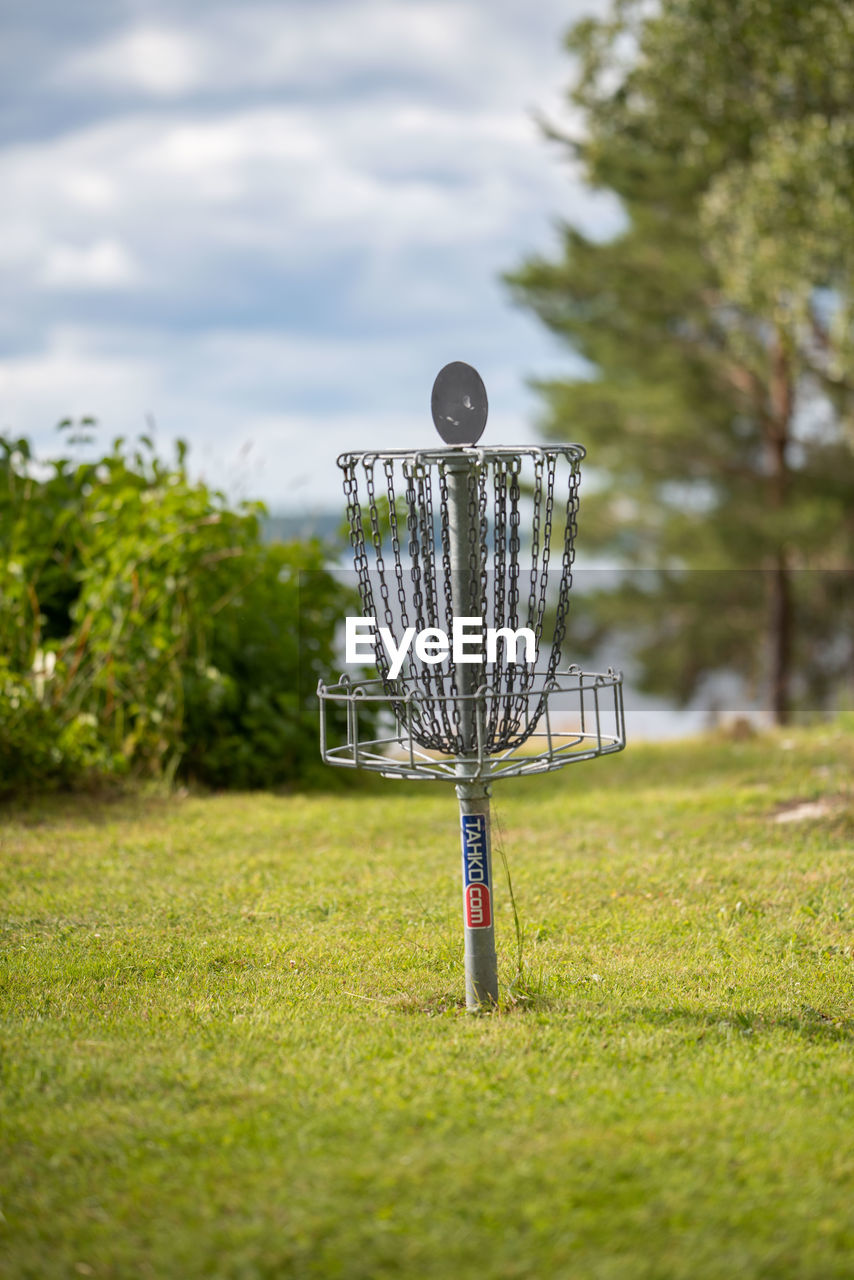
point(476, 453)
point(560, 747)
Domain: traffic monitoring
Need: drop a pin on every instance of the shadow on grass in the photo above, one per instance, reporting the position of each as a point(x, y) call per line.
point(130, 798)
point(95, 806)
point(515, 998)
point(815, 1025)
point(812, 1024)
point(439, 1005)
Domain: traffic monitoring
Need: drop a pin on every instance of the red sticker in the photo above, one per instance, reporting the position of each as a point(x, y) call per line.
point(478, 907)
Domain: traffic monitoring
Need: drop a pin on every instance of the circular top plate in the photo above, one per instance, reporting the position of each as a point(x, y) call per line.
point(459, 405)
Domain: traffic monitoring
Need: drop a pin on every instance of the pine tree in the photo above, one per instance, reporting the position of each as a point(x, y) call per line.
point(718, 325)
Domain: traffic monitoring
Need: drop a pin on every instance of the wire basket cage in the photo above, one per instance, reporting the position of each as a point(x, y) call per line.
point(460, 537)
point(436, 534)
point(574, 715)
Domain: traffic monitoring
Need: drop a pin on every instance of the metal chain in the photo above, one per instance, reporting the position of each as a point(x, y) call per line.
point(535, 538)
point(511, 710)
point(515, 707)
point(388, 467)
point(499, 547)
point(357, 535)
point(379, 562)
point(425, 599)
point(455, 735)
point(515, 545)
point(570, 530)
point(483, 552)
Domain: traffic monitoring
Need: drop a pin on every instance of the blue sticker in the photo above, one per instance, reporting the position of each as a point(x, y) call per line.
point(475, 861)
point(477, 895)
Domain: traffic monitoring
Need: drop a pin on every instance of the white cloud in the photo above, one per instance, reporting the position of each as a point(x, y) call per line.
point(103, 265)
point(157, 61)
point(90, 190)
point(228, 390)
point(67, 375)
point(164, 199)
point(320, 47)
point(244, 206)
point(384, 169)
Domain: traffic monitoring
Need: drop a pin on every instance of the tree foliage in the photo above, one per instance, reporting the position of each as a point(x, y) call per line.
point(718, 326)
point(145, 626)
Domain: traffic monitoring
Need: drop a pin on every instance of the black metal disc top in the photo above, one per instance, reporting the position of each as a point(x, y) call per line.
point(458, 404)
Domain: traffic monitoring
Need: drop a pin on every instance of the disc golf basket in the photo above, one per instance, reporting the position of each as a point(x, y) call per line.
point(437, 537)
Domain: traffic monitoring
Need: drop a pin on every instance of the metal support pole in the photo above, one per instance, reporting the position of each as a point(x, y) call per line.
point(478, 918)
point(473, 793)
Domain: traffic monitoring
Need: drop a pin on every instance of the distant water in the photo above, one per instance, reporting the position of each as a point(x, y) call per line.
point(648, 718)
point(299, 527)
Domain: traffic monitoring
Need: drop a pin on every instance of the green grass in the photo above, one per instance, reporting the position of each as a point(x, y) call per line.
point(232, 1039)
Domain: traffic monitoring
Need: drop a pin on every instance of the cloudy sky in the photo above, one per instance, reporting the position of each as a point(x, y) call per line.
point(267, 226)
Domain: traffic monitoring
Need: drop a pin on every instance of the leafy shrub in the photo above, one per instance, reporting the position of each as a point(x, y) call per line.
point(144, 625)
point(40, 747)
point(250, 704)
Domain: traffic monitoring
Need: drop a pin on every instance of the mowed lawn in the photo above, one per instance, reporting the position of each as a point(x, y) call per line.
point(233, 1042)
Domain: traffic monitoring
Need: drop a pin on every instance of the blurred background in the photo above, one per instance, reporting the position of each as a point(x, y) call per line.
point(260, 230)
point(267, 226)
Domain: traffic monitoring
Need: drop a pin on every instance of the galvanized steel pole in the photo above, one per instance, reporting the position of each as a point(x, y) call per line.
point(481, 964)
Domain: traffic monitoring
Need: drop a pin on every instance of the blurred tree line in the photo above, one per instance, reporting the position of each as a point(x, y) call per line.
point(719, 332)
point(145, 626)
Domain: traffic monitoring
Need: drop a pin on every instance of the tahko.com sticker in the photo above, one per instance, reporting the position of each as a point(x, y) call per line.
point(477, 895)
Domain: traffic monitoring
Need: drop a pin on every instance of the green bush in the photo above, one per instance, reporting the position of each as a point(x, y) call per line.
point(40, 746)
point(250, 704)
point(144, 625)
